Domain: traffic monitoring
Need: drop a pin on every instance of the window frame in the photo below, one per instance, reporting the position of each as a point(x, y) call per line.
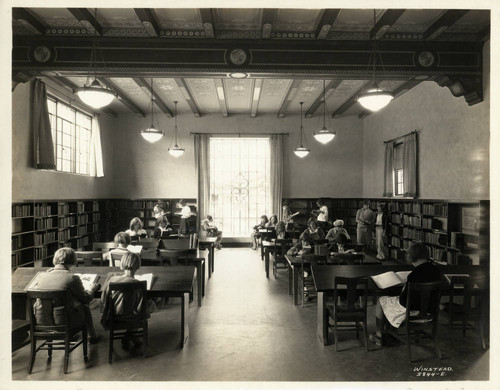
point(76, 138)
point(395, 171)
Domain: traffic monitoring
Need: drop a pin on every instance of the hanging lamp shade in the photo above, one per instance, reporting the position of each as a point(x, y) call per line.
point(324, 135)
point(176, 150)
point(301, 150)
point(375, 99)
point(95, 95)
point(152, 134)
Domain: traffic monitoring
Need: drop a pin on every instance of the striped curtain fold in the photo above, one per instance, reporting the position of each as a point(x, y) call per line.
point(410, 165)
point(202, 165)
point(276, 149)
point(43, 146)
point(96, 163)
point(389, 170)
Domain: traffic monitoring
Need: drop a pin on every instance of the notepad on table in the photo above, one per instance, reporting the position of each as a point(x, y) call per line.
point(390, 279)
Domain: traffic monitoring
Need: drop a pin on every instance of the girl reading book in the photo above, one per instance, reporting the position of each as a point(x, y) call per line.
point(255, 234)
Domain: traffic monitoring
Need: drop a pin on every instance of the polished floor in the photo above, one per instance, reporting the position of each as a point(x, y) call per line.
point(248, 330)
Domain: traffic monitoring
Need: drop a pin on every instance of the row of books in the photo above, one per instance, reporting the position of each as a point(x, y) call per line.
point(439, 209)
point(82, 230)
point(65, 222)
point(81, 242)
point(42, 210)
point(64, 235)
point(83, 218)
point(436, 238)
point(44, 224)
point(413, 233)
point(45, 238)
point(432, 223)
point(345, 203)
point(413, 220)
point(62, 208)
point(40, 253)
point(16, 260)
point(21, 210)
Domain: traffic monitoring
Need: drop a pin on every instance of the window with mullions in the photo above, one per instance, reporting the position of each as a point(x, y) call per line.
point(71, 134)
point(239, 183)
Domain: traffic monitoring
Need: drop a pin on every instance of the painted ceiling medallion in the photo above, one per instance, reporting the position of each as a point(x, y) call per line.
point(426, 59)
point(238, 56)
point(41, 54)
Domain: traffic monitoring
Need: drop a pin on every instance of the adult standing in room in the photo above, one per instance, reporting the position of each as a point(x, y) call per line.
point(381, 224)
point(321, 213)
point(364, 220)
point(185, 214)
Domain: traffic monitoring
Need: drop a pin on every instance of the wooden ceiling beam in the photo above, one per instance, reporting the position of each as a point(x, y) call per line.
point(289, 96)
point(221, 96)
point(29, 20)
point(255, 96)
point(68, 84)
point(385, 22)
point(399, 91)
point(446, 20)
point(268, 15)
point(326, 22)
point(160, 103)
point(181, 83)
point(122, 97)
point(148, 20)
point(331, 85)
point(349, 102)
point(87, 20)
point(208, 22)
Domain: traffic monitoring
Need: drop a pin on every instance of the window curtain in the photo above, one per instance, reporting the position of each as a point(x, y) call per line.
point(96, 164)
point(388, 169)
point(202, 164)
point(410, 165)
point(43, 146)
point(276, 150)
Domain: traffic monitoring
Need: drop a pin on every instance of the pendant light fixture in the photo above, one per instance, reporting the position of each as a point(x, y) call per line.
point(93, 93)
point(375, 98)
point(175, 150)
point(152, 134)
point(324, 135)
point(301, 151)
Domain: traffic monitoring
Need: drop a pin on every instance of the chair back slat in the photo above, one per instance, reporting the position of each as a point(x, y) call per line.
point(103, 246)
point(42, 306)
point(88, 257)
point(428, 296)
point(355, 288)
point(115, 259)
point(134, 294)
point(285, 245)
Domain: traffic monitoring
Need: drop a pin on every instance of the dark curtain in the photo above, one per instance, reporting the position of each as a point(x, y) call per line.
point(43, 147)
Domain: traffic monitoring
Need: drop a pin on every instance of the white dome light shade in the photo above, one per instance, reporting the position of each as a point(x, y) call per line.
point(176, 151)
point(375, 99)
point(301, 151)
point(324, 135)
point(151, 134)
point(95, 95)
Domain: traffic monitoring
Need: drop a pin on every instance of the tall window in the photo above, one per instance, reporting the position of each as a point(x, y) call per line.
point(398, 170)
point(239, 183)
point(71, 133)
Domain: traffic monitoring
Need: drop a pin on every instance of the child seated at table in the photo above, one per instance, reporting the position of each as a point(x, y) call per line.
point(338, 227)
point(340, 244)
point(208, 226)
point(273, 220)
point(162, 228)
point(308, 238)
point(125, 305)
point(135, 230)
point(122, 241)
point(280, 230)
point(255, 234)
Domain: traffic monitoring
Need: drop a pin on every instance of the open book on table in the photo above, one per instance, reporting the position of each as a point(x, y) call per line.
point(87, 280)
point(135, 248)
point(390, 279)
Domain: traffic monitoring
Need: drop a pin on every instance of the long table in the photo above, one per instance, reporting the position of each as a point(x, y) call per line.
point(152, 256)
point(324, 281)
point(209, 243)
point(168, 282)
point(294, 267)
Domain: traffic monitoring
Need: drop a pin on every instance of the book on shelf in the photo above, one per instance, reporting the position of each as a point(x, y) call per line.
point(390, 279)
point(87, 280)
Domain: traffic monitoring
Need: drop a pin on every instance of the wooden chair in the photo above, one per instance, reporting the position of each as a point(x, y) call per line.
point(469, 291)
point(173, 255)
point(350, 258)
point(266, 234)
point(149, 243)
point(51, 323)
point(429, 296)
point(306, 282)
point(115, 259)
point(103, 246)
point(349, 308)
point(279, 261)
point(134, 323)
point(88, 258)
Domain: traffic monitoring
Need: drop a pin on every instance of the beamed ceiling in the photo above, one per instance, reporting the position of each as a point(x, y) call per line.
point(285, 54)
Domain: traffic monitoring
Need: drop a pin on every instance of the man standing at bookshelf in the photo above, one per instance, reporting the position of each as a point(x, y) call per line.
point(364, 219)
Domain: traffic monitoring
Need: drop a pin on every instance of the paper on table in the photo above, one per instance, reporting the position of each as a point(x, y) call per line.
point(87, 280)
point(147, 277)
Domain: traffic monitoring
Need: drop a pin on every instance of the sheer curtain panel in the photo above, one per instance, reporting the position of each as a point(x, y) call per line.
point(96, 164)
point(276, 146)
point(410, 165)
point(202, 163)
point(43, 146)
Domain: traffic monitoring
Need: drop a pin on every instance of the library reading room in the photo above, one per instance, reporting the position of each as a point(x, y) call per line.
point(250, 194)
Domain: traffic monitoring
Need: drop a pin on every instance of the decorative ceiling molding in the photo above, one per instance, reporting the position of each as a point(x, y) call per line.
point(221, 95)
point(148, 20)
point(207, 22)
point(385, 22)
point(255, 96)
point(29, 21)
point(326, 23)
point(268, 16)
point(446, 20)
point(87, 20)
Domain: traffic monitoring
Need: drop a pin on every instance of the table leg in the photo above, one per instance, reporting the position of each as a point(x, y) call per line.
point(212, 254)
point(266, 264)
point(290, 281)
point(322, 326)
point(184, 319)
point(209, 261)
point(203, 278)
point(295, 287)
point(199, 277)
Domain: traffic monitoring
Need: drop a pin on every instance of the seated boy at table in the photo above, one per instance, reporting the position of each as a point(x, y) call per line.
point(255, 234)
point(208, 226)
point(122, 241)
point(125, 305)
point(393, 308)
